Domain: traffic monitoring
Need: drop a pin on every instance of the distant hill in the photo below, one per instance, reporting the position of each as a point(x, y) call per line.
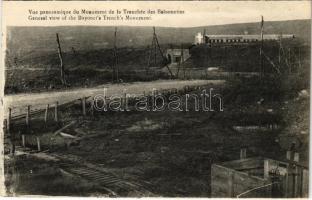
point(26, 42)
point(33, 62)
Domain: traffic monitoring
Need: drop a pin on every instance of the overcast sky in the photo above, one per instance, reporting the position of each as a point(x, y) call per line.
point(200, 13)
point(214, 13)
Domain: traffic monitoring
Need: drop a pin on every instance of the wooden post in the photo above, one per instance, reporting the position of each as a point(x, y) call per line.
point(61, 60)
point(299, 58)
point(155, 52)
point(149, 58)
point(74, 51)
point(230, 184)
point(115, 55)
point(56, 112)
point(296, 182)
point(161, 53)
point(296, 157)
point(279, 50)
point(46, 114)
point(266, 169)
point(289, 60)
point(125, 101)
point(288, 155)
point(83, 100)
point(243, 153)
point(106, 103)
point(11, 135)
point(9, 121)
point(181, 61)
point(305, 183)
point(92, 107)
point(5, 126)
point(23, 141)
point(261, 50)
point(38, 144)
point(287, 182)
point(28, 116)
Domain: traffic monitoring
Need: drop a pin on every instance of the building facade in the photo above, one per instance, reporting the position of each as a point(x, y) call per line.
point(176, 56)
point(212, 39)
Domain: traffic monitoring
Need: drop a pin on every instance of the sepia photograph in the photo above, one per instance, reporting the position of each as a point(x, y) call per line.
point(195, 99)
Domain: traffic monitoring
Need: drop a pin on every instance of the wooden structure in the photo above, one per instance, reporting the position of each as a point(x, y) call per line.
point(232, 39)
point(176, 56)
point(259, 177)
point(48, 115)
point(153, 52)
point(63, 79)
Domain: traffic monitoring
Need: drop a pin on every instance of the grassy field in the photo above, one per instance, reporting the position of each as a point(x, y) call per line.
point(169, 153)
point(83, 69)
point(88, 68)
point(152, 153)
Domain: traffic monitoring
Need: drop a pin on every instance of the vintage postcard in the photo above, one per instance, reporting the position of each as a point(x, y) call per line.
point(155, 99)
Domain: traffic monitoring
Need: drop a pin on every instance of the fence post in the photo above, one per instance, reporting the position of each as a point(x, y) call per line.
point(92, 107)
point(243, 153)
point(106, 103)
point(38, 144)
point(5, 126)
point(230, 184)
point(296, 182)
point(23, 140)
point(266, 169)
point(28, 116)
point(125, 102)
point(46, 114)
point(83, 100)
point(9, 120)
point(56, 112)
point(11, 135)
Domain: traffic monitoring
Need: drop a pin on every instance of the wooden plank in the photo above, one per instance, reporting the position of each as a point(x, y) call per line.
point(64, 127)
point(219, 178)
point(244, 163)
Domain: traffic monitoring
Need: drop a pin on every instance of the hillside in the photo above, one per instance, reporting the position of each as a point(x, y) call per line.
point(36, 41)
point(32, 61)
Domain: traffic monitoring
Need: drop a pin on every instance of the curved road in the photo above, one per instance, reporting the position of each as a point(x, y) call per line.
point(19, 102)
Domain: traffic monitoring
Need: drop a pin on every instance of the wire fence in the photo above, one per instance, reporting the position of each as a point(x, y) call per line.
point(263, 191)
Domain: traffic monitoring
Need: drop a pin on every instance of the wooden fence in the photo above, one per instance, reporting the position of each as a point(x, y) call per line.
point(25, 119)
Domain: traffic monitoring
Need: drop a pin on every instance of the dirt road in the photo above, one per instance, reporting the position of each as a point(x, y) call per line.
point(19, 102)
